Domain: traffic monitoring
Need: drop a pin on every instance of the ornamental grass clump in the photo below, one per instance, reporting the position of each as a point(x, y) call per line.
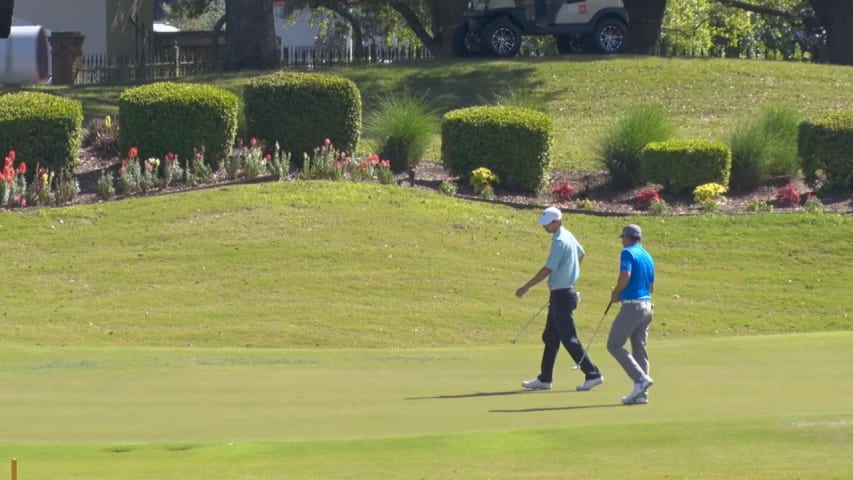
point(622, 145)
point(402, 126)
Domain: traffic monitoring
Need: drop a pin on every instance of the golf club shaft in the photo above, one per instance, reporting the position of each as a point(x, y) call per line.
point(524, 328)
point(594, 333)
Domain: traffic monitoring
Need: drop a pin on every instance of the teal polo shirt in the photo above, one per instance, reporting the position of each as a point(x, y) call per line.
point(564, 260)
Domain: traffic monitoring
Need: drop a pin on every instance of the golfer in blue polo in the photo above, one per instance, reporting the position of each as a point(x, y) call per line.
point(633, 289)
point(562, 269)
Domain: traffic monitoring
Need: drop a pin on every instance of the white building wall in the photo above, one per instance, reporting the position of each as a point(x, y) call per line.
point(88, 17)
point(299, 34)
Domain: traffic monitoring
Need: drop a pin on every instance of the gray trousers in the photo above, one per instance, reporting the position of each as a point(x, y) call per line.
point(632, 322)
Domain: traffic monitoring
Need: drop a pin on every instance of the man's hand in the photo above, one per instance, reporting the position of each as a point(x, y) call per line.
point(614, 296)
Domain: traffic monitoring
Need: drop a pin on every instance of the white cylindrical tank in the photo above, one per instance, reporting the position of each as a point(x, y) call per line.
point(24, 56)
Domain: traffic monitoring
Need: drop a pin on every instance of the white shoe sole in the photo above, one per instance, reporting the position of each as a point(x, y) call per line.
point(585, 387)
point(537, 387)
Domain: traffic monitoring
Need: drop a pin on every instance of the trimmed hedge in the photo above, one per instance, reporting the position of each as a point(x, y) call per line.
point(826, 145)
point(301, 110)
point(681, 165)
point(513, 142)
point(177, 117)
point(43, 129)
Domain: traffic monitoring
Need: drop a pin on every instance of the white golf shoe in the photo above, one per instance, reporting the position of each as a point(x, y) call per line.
point(640, 388)
point(535, 384)
point(640, 400)
point(589, 384)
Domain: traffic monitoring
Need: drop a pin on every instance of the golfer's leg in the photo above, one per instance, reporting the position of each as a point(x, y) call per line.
point(566, 303)
point(625, 322)
point(639, 337)
point(551, 339)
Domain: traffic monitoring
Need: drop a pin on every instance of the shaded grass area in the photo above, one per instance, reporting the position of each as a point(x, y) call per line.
point(584, 94)
point(716, 411)
point(324, 264)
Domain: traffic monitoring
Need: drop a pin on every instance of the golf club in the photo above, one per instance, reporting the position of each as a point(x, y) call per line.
point(524, 328)
point(585, 350)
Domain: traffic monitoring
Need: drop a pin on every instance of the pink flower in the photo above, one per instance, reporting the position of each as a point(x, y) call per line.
point(327, 142)
point(170, 157)
point(22, 168)
point(253, 141)
point(374, 158)
point(268, 157)
point(12, 155)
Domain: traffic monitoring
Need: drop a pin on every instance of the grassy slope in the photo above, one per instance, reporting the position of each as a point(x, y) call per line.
point(344, 265)
point(585, 94)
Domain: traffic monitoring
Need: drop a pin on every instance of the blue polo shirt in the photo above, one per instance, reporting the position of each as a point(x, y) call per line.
point(637, 261)
point(564, 259)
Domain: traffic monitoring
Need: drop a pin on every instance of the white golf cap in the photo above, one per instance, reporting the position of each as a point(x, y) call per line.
point(549, 215)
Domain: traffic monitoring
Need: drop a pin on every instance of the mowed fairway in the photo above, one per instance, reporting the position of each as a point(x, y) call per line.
point(774, 406)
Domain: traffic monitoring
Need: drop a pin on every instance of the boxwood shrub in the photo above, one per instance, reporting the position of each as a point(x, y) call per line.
point(826, 145)
point(681, 165)
point(513, 142)
point(177, 117)
point(43, 129)
point(301, 110)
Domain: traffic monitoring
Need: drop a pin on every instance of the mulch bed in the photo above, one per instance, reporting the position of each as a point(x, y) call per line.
point(593, 186)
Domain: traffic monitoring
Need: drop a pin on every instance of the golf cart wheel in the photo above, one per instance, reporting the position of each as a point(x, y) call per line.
point(610, 36)
point(6, 8)
point(502, 37)
point(465, 42)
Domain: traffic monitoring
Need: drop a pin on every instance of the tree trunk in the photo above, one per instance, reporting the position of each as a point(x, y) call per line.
point(646, 17)
point(250, 35)
point(445, 15)
point(836, 17)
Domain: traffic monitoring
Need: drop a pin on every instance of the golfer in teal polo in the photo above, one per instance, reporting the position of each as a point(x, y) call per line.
point(562, 269)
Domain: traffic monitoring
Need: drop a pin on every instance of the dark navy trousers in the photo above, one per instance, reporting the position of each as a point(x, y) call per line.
point(560, 329)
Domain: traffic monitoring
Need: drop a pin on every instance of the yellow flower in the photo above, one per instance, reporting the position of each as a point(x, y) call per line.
point(708, 192)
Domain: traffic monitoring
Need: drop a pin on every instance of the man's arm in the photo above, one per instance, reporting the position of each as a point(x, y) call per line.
point(621, 283)
point(542, 274)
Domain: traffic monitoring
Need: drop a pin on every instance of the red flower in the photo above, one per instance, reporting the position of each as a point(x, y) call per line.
point(133, 152)
point(563, 191)
point(374, 158)
point(645, 198)
point(788, 196)
point(22, 168)
point(12, 155)
point(170, 157)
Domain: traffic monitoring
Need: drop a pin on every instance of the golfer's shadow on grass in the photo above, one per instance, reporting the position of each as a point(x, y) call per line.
point(550, 409)
point(487, 394)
